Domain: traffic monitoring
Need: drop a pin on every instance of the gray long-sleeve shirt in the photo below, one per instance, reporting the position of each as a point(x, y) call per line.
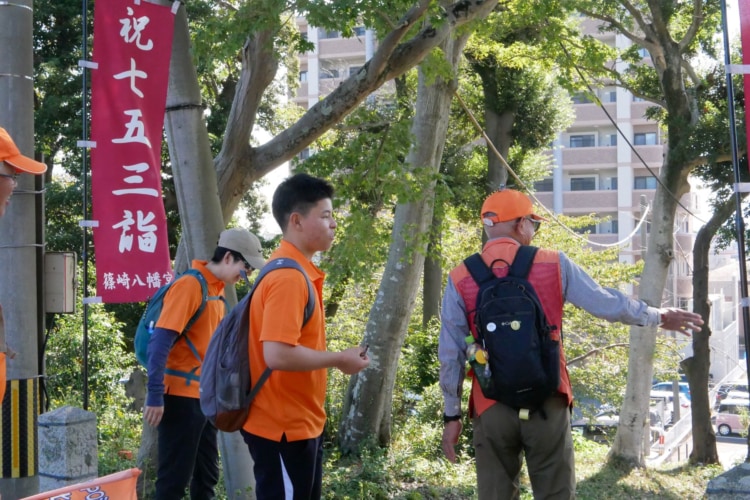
point(578, 288)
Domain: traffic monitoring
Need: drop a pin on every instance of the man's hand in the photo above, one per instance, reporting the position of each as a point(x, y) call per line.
point(353, 360)
point(153, 414)
point(680, 321)
point(451, 433)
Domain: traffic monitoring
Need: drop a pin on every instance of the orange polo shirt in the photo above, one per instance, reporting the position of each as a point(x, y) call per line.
point(183, 298)
point(289, 403)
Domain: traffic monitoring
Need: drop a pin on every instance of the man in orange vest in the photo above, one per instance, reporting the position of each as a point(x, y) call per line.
point(12, 163)
point(502, 434)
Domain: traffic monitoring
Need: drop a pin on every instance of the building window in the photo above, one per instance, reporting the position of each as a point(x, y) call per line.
point(303, 76)
point(638, 99)
point(609, 96)
point(304, 154)
point(582, 141)
point(613, 183)
point(329, 73)
point(323, 34)
point(583, 184)
point(588, 229)
point(644, 182)
point(303, 35)
point(610, 140)
point(645, 139)
point(353, 69)
point(644, 53)
point(359, 31)
point(545, 185)
point(580, 98)
point(615, 226)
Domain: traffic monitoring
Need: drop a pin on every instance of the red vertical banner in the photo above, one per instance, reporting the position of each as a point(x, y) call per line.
point(744, 6)
point(132, 48)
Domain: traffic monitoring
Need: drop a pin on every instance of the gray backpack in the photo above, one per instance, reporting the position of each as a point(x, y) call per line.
point(226, 390)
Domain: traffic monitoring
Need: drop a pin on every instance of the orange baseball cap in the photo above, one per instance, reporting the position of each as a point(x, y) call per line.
point(10, 154)
point(507, 204)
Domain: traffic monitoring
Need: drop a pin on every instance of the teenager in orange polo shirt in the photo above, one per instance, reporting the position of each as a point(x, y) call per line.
point(285, 425)
point(12, 163)
point(188, 453)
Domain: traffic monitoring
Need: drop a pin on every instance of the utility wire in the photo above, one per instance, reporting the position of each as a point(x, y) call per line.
point(598, 102)
point(550, 213)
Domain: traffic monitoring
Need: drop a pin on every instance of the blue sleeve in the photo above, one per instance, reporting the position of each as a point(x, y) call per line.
point(607, 303)
point(454, 328)
point(159, 345)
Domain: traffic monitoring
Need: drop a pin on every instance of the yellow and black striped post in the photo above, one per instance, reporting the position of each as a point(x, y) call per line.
point(18, 429)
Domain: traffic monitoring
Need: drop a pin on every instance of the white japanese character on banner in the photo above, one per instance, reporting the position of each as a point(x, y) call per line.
point(126, 240)
point(136, 179)
point(135, 128)
point(147, 237)
point(153, 280)
point(137, 281)
point(133, 73)
point(108, 281)
point(132, 28)
point(124, 280)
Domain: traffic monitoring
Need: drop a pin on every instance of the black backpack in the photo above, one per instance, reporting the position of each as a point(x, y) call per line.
point(511, 326)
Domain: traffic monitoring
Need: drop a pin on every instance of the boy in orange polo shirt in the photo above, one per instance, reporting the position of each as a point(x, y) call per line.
point(12, 163)
point(188, 452)
point(285, 425)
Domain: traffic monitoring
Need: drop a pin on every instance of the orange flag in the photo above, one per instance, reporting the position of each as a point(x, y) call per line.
point(120, 486)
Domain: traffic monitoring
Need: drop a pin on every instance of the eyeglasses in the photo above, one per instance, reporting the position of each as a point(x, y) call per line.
point(13, 177)
point(247, 265)
point(534, 222)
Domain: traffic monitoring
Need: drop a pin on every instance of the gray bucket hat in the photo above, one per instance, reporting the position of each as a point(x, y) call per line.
point(244, 242)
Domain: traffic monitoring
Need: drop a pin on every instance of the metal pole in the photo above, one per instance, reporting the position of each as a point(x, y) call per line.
point(84, 180)
point(739, 222)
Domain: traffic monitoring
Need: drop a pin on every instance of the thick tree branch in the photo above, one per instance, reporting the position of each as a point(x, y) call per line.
point(391, 59)
point(695, 26)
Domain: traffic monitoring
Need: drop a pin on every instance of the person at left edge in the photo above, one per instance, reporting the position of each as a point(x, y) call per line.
point(12, 163)
point(188, 452)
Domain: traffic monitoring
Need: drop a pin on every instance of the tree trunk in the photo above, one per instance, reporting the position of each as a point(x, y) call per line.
point(697, 367)
point(367, 408)
point(432, 284)
point(628, 443)
point(499, 128)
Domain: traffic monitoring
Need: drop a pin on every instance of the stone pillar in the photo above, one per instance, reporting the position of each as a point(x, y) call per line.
point(67, 448)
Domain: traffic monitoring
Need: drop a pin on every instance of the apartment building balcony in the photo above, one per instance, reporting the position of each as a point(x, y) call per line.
point(592, 114)
point(586, 202)
point(603, 239)
point(601, 155)
point(341, 47)
point(638, 112)
point(652, 155)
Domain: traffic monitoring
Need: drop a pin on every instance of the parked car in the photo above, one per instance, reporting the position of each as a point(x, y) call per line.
point(667, 386)
point(723, 391)
point(731, 417)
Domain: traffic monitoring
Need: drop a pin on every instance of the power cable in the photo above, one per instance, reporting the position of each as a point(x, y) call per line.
point(598, 102)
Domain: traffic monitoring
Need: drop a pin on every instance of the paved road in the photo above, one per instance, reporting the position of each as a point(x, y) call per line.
point(731, 449)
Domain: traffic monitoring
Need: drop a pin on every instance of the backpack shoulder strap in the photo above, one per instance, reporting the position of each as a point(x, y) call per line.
point(522, 262)
point(280, 263)
point(286, 263)
point(478, 269)
point(204, 297)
